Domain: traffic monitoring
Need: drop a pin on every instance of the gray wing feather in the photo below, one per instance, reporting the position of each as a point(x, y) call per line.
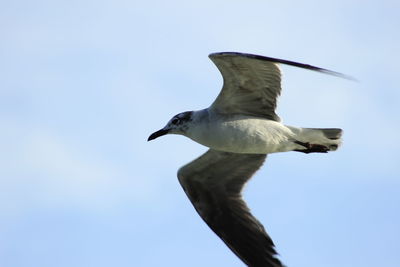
point(251, 85)
point(213, 183)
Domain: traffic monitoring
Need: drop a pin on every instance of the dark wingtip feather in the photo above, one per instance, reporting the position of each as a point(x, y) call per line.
point(286, 62)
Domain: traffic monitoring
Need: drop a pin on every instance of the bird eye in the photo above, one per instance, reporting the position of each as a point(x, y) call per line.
point(175, 120)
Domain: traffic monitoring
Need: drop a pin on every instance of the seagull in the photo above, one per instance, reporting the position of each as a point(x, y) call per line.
point(240, 128)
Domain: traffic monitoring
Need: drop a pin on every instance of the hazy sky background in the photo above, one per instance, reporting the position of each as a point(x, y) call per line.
point(83, 84)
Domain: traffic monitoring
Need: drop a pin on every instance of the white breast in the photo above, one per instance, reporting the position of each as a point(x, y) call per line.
point(242, 134)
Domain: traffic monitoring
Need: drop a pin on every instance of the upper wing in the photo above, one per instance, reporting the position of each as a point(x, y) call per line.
point(213, 183)
point(252, 83)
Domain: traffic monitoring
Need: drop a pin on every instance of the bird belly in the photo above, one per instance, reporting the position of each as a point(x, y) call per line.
point(246, 135)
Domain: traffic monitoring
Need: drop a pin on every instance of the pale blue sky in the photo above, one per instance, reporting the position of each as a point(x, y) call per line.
point(83, 84)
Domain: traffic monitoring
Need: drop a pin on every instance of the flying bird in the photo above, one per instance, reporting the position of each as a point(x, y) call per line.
point(240, 128)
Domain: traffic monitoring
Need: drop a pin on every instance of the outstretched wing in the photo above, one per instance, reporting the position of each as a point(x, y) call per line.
point(252, 83)
point(213, 183)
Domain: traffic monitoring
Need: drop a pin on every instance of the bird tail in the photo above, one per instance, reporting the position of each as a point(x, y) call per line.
point(319, 140)
point(330, 133)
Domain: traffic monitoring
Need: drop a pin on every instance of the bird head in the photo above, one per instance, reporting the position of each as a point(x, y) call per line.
point(179, 124)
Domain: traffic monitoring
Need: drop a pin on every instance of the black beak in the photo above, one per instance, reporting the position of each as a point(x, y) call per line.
point(157, 134)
